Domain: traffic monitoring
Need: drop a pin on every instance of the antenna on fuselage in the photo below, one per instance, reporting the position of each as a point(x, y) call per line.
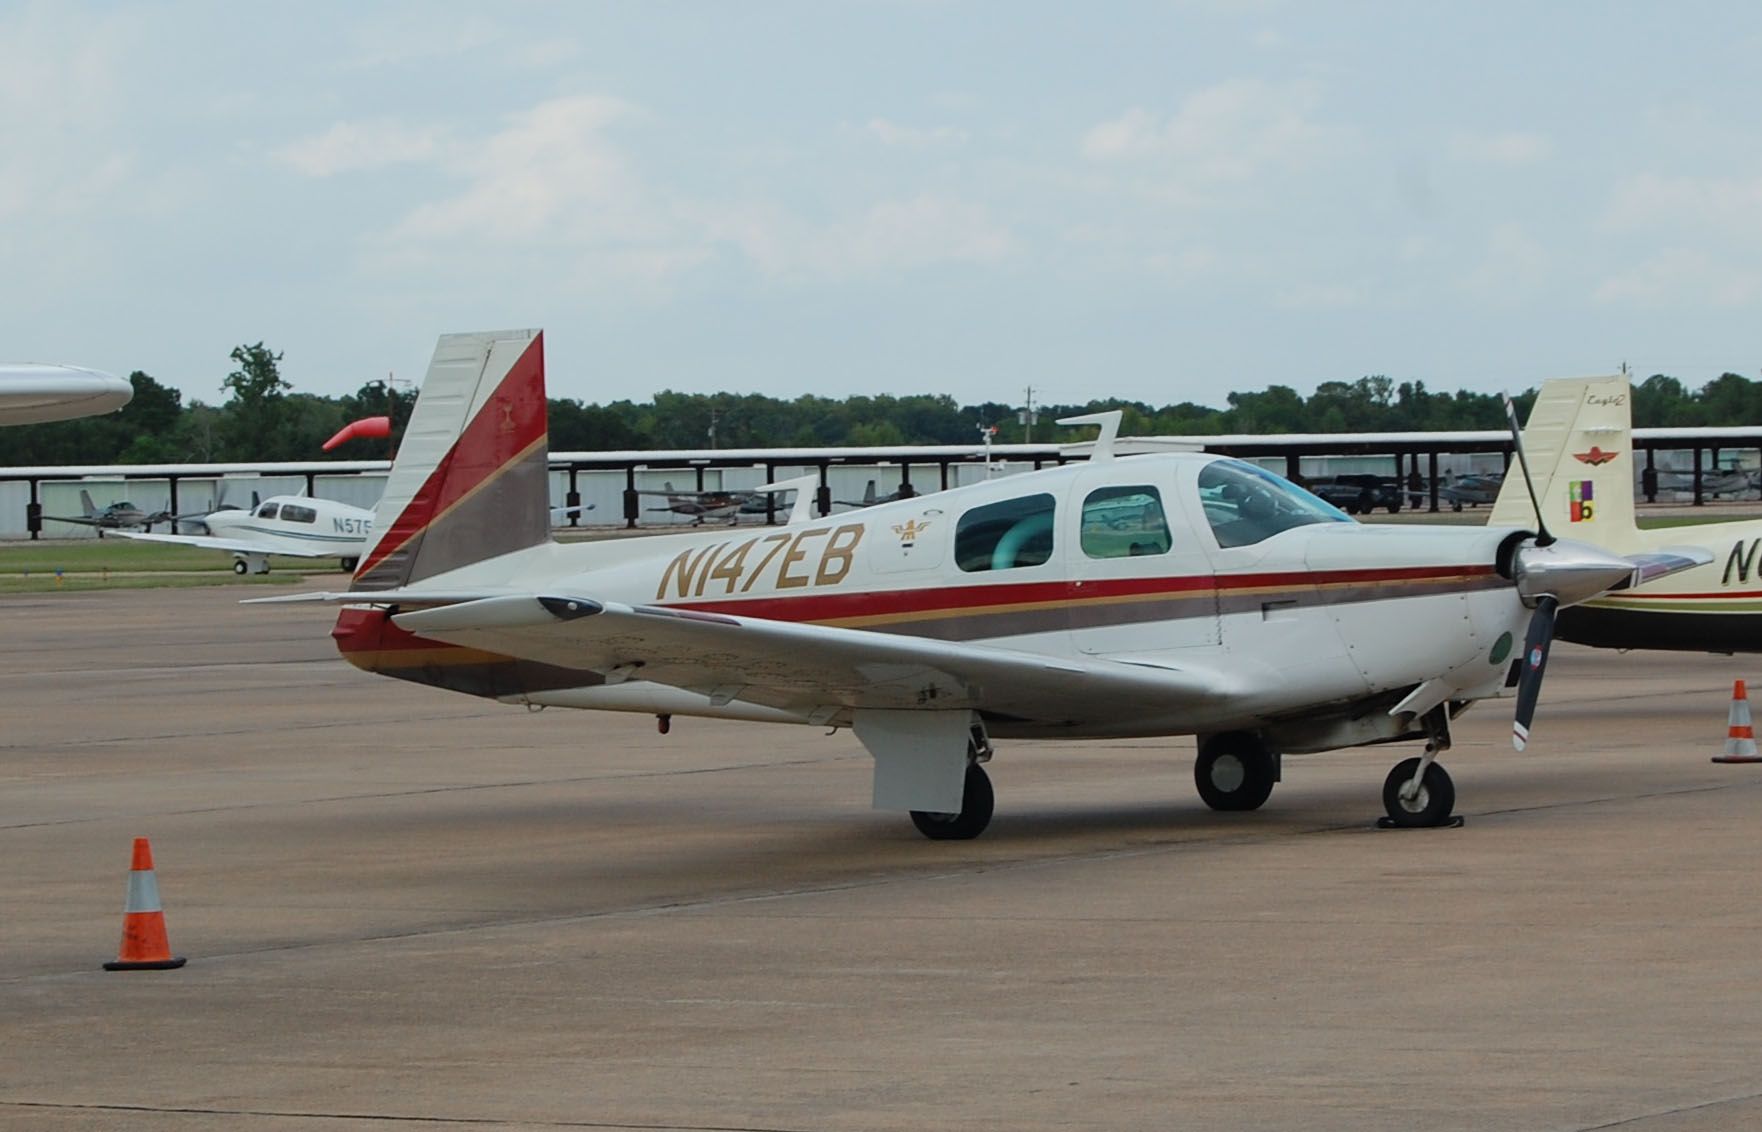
point(1543, 537)
point(1110, 431)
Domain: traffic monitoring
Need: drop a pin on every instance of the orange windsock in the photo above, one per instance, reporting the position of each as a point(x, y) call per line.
point(144, 946)
point(1740, 736)
point(367, 428)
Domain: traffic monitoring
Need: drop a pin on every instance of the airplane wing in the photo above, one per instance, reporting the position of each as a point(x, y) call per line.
point(804, 668)
point(82, 520)
point(232, 545)
point(1662, 563)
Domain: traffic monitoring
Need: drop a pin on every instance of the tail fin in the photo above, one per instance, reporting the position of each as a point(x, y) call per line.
point(1579, 440)
point(90, 508)
point(471, 480)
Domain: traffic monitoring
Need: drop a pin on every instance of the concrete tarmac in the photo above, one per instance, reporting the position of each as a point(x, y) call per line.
point(405, 907)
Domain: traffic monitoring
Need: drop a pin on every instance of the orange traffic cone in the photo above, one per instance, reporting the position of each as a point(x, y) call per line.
point(1740, 738)
point(144, 946)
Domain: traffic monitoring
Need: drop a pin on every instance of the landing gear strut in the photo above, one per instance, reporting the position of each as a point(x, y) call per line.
point(1235, 771)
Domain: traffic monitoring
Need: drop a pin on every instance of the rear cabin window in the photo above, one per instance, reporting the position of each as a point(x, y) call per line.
point(1004, 536)
point(294, 513)
point(267, 511)
point(1124, 522)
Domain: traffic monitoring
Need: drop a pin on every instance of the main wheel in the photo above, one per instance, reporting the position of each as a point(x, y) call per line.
point(976, 803)
point(1431, 806)
point(240, 566)
point(349, 564)
point(1234, 772)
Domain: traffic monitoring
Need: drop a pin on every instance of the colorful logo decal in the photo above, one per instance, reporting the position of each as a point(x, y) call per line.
point(1536, 657)
point(1580, 497)
point(1595, 456)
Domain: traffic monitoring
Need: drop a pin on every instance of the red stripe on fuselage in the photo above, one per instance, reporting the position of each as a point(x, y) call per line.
point(839, 606)
point(508, 424)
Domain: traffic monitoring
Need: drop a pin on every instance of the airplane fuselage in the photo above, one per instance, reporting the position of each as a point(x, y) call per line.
point(1312, 643)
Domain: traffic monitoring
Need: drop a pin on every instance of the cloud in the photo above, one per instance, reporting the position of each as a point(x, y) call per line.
point(1726, 206)
point(559, 180)
point(351, 146)
point(887, 236)
point(1509, 148)
point(551, 171)
point(1231, 132)
point(893, 134)
point(1515, 267)
point(1682, 277)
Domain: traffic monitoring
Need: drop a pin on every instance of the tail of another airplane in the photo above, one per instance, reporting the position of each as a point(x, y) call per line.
point(1579, 440)
point(471, 479)
point(87, 507)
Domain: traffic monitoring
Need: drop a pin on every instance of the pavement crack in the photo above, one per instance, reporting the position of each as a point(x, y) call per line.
point(393, 1118)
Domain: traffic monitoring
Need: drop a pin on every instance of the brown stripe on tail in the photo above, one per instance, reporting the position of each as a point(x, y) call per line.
point(471, 480)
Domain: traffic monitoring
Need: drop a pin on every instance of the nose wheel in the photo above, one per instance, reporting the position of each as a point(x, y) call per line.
point(1416, 798)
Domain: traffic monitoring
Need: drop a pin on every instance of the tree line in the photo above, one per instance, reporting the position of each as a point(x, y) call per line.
point(264, 419)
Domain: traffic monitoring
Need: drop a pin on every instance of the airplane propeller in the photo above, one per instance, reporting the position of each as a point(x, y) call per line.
point(1549, 572)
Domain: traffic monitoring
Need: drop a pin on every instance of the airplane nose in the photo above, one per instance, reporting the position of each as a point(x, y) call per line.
point(1568, 571)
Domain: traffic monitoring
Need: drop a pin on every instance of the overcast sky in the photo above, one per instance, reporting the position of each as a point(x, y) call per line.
point(1163, 201)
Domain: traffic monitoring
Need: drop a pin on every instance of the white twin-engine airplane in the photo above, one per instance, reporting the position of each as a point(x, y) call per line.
point(1164, 594)
point(294, 525)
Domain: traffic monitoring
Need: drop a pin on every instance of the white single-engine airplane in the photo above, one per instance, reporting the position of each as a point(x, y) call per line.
point(297, 526)
point(1235, 606)
point(1579, 438)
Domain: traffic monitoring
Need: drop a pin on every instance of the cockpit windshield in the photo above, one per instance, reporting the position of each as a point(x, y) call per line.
point(1246, 504)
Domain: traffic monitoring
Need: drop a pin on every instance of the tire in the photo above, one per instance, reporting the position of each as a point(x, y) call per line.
point(976, 805)
point(1234, 773)
point(1434, 804)
point(349, 564)
point(240, 566)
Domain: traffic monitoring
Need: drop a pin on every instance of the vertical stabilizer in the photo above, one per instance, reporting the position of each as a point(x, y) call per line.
point(471, 479)
point(1579, 440)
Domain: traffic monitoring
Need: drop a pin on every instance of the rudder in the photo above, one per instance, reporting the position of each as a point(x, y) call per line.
point(471, 479)
point(1579, 440)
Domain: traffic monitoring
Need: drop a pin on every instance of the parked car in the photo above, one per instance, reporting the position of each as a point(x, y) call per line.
point(1360, 493)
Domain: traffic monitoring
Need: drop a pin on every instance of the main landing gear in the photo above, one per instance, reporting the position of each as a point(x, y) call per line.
point(1235, 771)
point(977, 800)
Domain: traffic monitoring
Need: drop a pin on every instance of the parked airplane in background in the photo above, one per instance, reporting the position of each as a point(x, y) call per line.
point(869, 498)
point(1267, 623)
point(34, 394)
point(1714, 481)
point(296, 526)
point(1473, 489)
point(118, 516)
point(1580, 442)
point(730, 505)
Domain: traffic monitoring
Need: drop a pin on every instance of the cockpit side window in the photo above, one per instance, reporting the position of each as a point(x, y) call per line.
point(267, 511)
point(1005, 536)
point(294, 513)
point(1246, 504)
point(1124, 522)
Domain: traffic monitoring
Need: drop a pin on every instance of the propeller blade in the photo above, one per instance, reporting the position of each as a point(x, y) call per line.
point(1543, 537)
point(1536, 644)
